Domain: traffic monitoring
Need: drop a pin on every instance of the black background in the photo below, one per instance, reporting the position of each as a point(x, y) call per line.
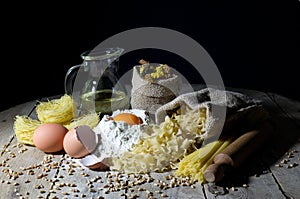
point(255, 44)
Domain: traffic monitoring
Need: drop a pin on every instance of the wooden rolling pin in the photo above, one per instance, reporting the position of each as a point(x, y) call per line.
point(236, 152)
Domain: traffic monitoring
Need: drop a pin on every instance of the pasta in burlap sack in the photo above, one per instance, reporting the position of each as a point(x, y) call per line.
point(224, 109)
point(151, 95)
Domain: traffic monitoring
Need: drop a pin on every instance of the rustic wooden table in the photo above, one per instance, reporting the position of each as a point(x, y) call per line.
point(274, 172)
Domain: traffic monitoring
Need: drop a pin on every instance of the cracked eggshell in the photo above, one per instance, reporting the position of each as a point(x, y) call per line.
point(128, 118)
point(138, 116)
point(80, 141)
point(94, 163)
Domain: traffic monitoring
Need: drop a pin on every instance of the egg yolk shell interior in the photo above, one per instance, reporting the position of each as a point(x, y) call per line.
point(129, 118)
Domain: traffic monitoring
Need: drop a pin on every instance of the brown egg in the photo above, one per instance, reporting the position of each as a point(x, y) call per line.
point(49, 137)
point(79, 141)
point(129, 118)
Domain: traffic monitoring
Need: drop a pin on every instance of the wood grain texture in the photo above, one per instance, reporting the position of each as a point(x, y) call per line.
point(162, 186)
point(285, 166)
point(50, 176)
point(263, 186)
point(245, 175)
point(77, 181)
point(286, 118)
point(7, 118)
point(24, 167)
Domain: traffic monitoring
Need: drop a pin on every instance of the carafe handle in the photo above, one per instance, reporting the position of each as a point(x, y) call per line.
point(69, 78)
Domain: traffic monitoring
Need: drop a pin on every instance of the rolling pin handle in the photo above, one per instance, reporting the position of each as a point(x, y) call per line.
point(237, 152)
point(215, 172)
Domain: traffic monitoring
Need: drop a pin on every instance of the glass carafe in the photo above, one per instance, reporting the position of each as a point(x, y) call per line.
point(95, 85)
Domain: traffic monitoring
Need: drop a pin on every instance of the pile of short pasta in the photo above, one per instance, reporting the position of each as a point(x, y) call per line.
point(175, 144)
point(163, 146)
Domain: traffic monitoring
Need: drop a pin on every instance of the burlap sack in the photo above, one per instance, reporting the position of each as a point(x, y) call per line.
point(239, 107)
point(149, 96)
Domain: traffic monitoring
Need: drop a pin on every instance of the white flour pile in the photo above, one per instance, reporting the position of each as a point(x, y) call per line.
point(117, 137)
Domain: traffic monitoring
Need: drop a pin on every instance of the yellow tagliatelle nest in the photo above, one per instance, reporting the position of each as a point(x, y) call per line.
point(24, 127)
point(60, 111)
point(91, 120)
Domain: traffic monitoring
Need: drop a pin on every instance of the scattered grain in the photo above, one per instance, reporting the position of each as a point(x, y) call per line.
point(132, 196)
point(75, 190)
point(284, 161)
point(106, 191)
point(30, 172)
point(141, 189)
point(292, 165)
point(149, 192)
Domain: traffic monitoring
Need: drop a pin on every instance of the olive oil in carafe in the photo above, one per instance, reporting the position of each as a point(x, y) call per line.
point(105, 101)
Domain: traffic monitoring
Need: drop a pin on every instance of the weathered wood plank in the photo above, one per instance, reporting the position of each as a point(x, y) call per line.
point(288, 174)
point(185, 189)
point(166, 185)
point(286, 117)
point(29, 167)
point(21, 109)
point(7, 118)
point(263, 186)
point(25, 170)
point(257, 187)
point(75, 180)
point(31, 173)
point(271, 181)
point(286, 167)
